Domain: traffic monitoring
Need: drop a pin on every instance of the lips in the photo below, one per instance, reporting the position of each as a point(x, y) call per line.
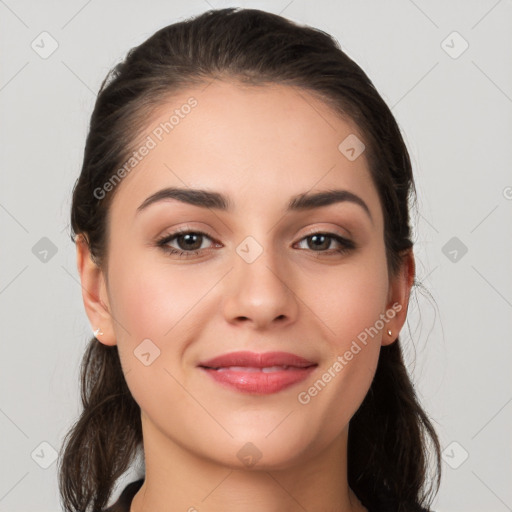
point(251, 372)
point(257, 360)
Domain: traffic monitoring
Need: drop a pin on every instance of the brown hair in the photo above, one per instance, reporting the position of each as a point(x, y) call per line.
point(389, 434)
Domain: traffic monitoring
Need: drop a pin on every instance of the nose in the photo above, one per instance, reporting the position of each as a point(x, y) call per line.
point(260, 292)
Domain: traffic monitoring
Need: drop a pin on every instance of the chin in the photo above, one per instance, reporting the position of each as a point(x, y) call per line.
point(278, 451)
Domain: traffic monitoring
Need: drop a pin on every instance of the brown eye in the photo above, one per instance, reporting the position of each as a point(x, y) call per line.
point(321, 243)
point(188, 243)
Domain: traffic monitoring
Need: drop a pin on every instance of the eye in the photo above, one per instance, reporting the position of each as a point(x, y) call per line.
point(321, 240)
point(190, 243)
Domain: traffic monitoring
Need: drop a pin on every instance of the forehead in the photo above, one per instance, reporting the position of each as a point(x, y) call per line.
point(263, 143)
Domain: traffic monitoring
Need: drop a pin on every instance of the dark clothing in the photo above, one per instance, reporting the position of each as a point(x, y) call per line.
point(126, 497)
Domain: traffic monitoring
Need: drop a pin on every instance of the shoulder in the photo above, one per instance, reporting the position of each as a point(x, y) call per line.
point(125, 499)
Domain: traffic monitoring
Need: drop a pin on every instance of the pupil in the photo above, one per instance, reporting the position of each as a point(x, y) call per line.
point(316, 237)
point(190, 238)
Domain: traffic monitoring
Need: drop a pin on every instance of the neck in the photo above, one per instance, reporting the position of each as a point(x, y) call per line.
point(177, 479)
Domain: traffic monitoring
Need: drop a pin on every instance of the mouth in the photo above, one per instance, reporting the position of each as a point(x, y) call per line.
point(258, 373)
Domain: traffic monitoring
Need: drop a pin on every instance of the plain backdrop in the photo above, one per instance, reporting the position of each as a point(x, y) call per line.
point(443, 68)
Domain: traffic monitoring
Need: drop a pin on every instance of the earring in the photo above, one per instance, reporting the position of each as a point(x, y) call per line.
point(389, 332)
point(97, 332)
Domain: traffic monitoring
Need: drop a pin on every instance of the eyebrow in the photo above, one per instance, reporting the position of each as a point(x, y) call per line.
point(218, 201)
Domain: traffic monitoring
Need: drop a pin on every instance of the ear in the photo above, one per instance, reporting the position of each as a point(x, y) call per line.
point(398, 297)
point(94, 293)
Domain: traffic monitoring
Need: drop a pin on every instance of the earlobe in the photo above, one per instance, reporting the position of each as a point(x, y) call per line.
point(94, 293)
point(398, 299)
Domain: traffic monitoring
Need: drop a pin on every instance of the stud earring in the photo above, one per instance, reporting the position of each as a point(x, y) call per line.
point(389, 332)
point(97, 332)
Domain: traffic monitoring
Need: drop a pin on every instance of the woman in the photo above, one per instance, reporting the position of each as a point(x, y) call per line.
point(243, 242)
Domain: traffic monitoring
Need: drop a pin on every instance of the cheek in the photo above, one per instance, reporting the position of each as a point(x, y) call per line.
point(150, 298)
point(152, 305)
point(350, 305)
point(351, 299)
point(350, 310)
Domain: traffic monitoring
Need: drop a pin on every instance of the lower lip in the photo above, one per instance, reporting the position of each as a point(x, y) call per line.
point(260, 382)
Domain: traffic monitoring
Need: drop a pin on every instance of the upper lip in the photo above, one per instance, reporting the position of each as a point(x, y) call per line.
point(257, 360)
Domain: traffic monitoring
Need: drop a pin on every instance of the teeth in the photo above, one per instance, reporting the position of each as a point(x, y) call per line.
point(271, 369)
point(238, 369)
point(249, 369)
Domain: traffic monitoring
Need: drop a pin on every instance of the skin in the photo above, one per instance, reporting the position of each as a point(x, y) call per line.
point(259, 146)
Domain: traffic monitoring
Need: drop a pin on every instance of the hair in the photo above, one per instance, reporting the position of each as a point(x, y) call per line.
point(390, 435)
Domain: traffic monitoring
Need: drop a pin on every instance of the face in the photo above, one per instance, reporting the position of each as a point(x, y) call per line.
point(257, 276)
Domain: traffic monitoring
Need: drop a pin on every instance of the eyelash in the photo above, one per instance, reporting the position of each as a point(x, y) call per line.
point(347, 245)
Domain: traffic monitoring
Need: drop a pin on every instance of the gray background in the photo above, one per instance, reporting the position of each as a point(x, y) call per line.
point(455, 113)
